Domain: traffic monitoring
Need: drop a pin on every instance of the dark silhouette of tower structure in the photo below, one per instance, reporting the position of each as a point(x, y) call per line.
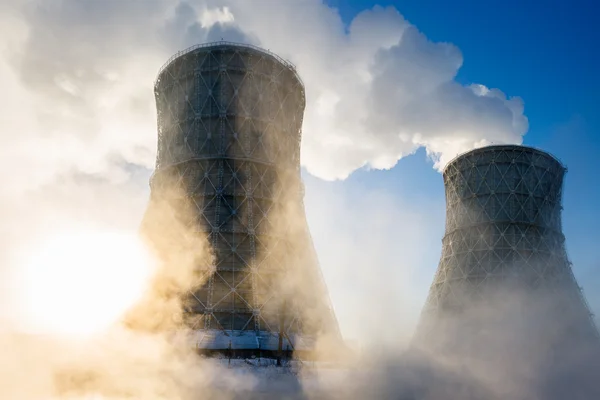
point(504, 285)
point(228, 169)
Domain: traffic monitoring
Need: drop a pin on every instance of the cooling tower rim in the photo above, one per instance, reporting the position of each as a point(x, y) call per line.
point(496, 147)
point(222, 43)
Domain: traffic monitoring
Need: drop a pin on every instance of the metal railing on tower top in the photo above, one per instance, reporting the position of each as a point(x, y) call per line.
point(180, 53)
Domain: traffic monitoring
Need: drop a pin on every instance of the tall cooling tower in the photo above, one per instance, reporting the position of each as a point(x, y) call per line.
point(504, 266)
point(228, 167)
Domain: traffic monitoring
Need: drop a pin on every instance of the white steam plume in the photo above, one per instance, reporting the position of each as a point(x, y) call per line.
point(377, 91)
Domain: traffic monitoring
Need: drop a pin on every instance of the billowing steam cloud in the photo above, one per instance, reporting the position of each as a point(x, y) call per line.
point(376, 91)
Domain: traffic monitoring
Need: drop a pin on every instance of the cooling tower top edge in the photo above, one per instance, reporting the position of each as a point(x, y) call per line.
point(498, 147)
point(223, 43)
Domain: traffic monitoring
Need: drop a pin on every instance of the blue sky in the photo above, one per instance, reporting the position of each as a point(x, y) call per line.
point(546, 55)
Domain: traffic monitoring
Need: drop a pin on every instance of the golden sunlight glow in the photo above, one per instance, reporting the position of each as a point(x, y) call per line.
point(82, 282)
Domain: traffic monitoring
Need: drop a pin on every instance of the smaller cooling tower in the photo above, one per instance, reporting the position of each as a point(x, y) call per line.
point(504, 273)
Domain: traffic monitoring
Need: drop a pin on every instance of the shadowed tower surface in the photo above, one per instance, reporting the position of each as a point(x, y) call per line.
point(504, 268)
point(228, 171)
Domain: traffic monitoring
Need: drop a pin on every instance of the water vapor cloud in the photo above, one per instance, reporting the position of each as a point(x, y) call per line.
point(377, 90)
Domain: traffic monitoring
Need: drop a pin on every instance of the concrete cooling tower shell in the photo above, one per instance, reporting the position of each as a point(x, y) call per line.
point(503, 250)
point(228, 168)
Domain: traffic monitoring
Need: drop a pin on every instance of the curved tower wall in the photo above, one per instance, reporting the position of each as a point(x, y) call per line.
point(229, 130)
point(504, 242)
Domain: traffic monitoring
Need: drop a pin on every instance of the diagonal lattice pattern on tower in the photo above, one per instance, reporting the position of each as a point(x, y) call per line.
point(504, 266)
point(228, 167)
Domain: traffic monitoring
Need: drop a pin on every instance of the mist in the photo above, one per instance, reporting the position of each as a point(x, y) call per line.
point(90, 311)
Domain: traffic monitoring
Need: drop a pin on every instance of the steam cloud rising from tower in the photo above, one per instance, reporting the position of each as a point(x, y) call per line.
point(376, 91)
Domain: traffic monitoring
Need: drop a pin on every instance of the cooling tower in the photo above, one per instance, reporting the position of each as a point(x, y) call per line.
point(228, 171)
point(504, 269)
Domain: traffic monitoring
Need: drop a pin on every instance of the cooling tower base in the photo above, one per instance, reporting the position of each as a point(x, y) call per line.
point(250, 344)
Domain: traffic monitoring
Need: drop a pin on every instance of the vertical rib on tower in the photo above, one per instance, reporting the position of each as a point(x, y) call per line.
point(503, 258)
point(228, 165)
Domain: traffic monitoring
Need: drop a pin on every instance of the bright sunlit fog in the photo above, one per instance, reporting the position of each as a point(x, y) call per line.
point(81, 282)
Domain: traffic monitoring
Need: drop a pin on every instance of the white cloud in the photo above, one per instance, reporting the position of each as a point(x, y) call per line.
point(212, 16)
point(376, 91)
